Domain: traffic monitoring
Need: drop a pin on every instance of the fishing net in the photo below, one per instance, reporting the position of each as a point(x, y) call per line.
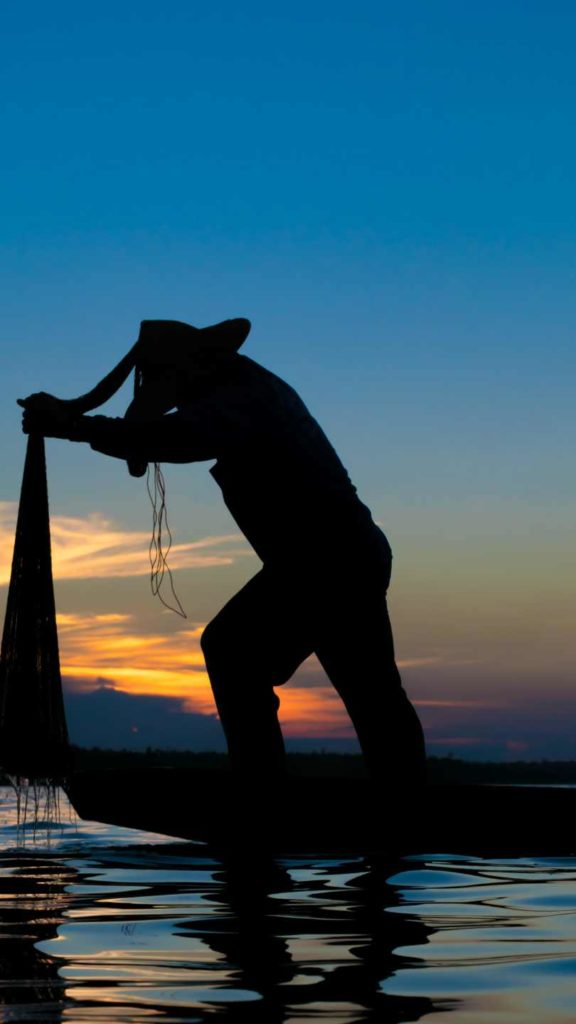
point(33, 734)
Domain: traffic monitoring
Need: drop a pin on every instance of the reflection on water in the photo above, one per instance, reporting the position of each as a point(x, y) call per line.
point(104, 924)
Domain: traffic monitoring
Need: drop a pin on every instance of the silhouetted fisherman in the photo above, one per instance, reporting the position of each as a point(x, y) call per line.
point(326, 565)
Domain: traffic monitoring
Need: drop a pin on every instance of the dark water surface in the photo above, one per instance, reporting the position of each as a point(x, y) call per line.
point(106, 924)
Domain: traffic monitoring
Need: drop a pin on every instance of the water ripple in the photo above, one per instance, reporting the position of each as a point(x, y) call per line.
point(103, 924)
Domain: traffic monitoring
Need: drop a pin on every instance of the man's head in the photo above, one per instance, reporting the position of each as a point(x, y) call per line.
point(171, 342)
point(175, 361)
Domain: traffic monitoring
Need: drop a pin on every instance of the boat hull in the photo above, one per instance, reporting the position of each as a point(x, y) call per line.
point(325, 815)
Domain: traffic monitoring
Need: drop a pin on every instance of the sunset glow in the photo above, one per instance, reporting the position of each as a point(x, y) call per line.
point(106, 649)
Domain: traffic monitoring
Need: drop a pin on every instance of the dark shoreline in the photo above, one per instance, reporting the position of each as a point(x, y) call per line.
point(450, 770)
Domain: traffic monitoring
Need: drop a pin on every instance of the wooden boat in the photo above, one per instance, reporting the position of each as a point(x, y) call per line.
point(329, 815)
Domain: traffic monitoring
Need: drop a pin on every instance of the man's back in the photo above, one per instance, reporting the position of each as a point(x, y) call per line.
point(281, 478)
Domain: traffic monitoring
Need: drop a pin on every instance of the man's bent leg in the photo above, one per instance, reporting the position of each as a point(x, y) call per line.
point(249, 648)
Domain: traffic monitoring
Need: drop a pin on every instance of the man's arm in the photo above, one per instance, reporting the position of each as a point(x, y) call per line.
point(186, 436)
point(170, 438)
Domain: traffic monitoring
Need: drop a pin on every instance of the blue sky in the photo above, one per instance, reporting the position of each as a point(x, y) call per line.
point(387, 192)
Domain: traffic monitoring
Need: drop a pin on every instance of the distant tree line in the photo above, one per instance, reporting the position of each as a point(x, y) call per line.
point(440, 769)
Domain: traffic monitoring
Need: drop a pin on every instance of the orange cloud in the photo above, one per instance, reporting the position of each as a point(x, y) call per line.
point(96, 647)
point(313, 712)
point(89, 547)
point(171, 665)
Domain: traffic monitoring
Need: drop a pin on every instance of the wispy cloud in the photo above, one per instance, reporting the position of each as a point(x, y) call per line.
point(418, 662)
point(89, 547)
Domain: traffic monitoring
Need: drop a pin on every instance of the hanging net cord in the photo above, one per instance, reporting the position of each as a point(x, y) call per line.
point(159, 568)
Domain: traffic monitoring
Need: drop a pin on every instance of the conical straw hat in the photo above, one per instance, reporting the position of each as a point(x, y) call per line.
point(165, 342)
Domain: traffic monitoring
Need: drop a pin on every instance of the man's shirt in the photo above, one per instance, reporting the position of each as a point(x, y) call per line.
point(281, 479)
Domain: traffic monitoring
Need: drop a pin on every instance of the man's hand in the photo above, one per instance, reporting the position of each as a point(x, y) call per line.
point(44, 414)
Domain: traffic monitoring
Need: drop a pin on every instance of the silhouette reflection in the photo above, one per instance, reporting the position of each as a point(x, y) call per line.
point(315, 941)
point(135, 933)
